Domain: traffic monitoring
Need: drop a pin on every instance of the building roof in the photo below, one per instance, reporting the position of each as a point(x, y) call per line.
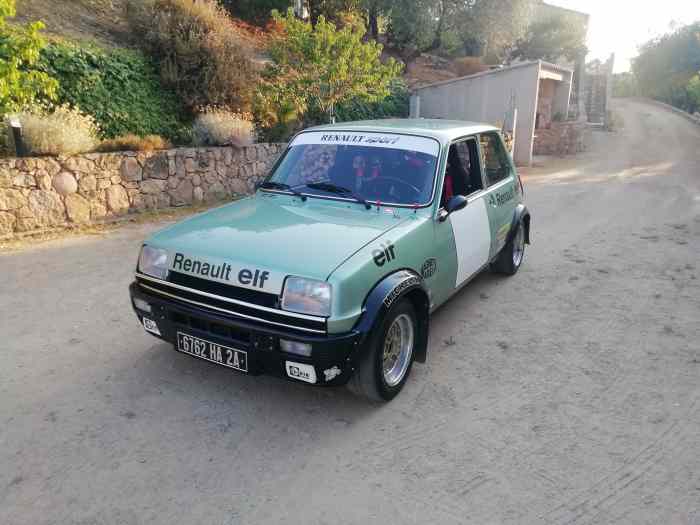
point(531, 63)
point(442, 130)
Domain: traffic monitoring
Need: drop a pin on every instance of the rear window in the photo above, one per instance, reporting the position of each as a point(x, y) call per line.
point(385, 167)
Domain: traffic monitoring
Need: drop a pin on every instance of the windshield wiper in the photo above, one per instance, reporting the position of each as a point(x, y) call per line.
point(272, 185)
point(340, 190)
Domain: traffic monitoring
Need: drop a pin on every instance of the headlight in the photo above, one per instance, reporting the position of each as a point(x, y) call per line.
point(307, 296)
point(153, 262)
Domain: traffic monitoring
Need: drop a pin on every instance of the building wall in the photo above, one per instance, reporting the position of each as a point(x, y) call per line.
point(41, 193)
point(486, 97)
point(544, 11)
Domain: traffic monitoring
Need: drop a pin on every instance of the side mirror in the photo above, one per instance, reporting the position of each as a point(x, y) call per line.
point(454, 204)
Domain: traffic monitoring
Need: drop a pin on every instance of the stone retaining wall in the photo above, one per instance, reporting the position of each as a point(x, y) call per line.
point(562, 138)
point(45, 192)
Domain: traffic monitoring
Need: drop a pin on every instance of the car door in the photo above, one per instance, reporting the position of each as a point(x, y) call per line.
point(470, 225)
point(499, 194)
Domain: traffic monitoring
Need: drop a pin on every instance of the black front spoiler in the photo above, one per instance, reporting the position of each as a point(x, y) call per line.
point(333, 356)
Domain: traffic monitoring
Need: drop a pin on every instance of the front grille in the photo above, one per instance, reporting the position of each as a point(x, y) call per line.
point(220, 330)
point(269, 300)
point(234, 308)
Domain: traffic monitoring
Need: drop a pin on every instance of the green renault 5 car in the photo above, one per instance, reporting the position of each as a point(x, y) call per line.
point(329, 273)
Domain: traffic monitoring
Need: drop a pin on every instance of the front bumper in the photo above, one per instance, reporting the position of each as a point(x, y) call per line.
point(333, 356)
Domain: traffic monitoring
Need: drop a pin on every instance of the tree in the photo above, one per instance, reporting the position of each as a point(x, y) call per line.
point(551, 39)
point(490, 28)
point(477, 26)
point(666, 65)
point(332, 10)
point(315, 68)
point(693, 89)
point(256, 11)
point(625, 85)
point(21, 84)
point(412, 25)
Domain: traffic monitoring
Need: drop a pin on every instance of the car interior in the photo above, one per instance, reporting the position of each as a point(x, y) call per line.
point(462, 176)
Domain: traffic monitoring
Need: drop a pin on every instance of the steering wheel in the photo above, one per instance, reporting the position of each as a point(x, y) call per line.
point(375, 183)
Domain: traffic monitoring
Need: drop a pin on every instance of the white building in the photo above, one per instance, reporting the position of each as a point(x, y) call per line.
point(539, 91)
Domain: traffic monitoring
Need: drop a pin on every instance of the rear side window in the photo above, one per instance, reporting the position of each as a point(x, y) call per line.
point(494, 158)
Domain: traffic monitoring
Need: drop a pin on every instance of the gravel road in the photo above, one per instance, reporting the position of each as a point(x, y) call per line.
point(567, 394)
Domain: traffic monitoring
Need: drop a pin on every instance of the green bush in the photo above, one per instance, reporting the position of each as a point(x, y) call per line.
point(693, 91)
point(395, 105)
point(119, 88)
point(21, 83)
point(316, 69)
point(197, 49)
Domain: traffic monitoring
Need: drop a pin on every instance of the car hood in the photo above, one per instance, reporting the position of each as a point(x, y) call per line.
point(258, 241)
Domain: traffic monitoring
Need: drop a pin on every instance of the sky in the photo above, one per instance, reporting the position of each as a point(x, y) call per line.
point(621, 26)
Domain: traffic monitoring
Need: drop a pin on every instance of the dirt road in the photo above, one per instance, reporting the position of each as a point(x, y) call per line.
point(567, 394)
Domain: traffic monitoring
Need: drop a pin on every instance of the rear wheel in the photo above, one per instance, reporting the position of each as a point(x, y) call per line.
point(511, 257)
point(384, 369)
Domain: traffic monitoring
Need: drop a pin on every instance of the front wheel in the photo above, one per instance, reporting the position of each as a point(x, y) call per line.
point(384, 369)
point(511, 257)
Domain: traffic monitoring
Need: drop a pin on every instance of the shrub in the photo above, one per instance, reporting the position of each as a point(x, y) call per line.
point(21, 84)
point(63, 131)
point(198, 52)
point(315, 69)
point(693, 90)
point(133, 142)
point(396, 104)
point(119, 88)
point(220, 127)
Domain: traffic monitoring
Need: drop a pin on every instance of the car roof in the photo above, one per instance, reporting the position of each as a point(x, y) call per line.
point(442, 130)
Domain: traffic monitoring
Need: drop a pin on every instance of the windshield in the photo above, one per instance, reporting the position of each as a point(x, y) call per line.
point(376, 167)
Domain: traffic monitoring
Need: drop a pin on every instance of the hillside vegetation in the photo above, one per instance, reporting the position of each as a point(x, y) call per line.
point(230, 71)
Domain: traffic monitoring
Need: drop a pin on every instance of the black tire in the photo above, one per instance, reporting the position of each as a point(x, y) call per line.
point(508, 262)
point(368, 381)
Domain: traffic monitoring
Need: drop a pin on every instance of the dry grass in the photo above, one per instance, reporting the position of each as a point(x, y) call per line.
point(220, 127)
point(63, 131)
point(465, 66)
point(133, 142)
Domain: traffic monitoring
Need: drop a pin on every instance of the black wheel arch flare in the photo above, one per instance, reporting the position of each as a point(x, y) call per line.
point(521, 213)
point(399, 285)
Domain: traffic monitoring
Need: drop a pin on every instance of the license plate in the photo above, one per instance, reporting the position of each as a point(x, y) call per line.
point(214, 352)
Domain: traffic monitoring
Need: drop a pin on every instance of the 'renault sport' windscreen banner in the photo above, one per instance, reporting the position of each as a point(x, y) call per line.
point(369, 139)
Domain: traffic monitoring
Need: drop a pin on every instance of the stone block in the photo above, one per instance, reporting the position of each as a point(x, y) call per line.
point(43, 179)
point(47, 207)
point(87, 184)
point(23, 180)
point(153, 186)
point(198, 194)
point(162, 200)
point(11, 200)
point(117, 199)
point(77, 208)
point(131, 169)
point(7, 223)
point(5, 178)
point(157, 167)
point(183, 194)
